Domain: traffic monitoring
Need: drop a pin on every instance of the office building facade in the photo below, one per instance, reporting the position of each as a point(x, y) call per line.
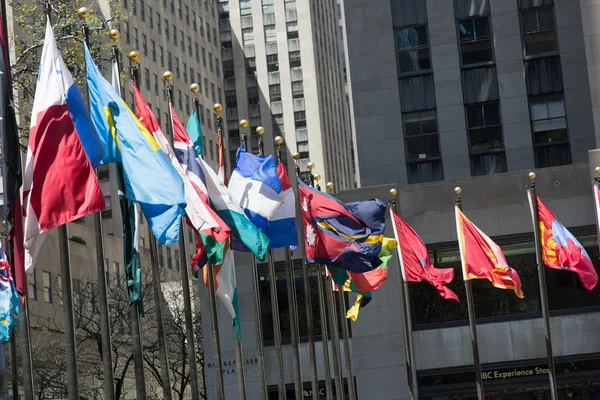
point(282, 70)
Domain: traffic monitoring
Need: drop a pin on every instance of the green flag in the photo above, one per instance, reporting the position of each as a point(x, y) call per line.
point(195, 131)
point(131, 254)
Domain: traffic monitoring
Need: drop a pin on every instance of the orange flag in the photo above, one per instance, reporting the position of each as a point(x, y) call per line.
point(482, 258)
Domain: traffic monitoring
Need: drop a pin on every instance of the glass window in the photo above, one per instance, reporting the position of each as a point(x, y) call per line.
point(422, 146)
point(275, 92)
point(485, 139)
point(270, 34)
point(245, 7)
point(295, 61)
point(297, 90)
point(247, 37)
point(413, 49)
point(563, 287)
point(47, 287)
point(272, 63)
point(475, 41)
point(549, 126)
point(292, 30)
point(539, 37)
point(169, 260)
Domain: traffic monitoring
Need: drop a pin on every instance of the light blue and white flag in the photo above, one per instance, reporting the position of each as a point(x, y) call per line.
point(256, 187)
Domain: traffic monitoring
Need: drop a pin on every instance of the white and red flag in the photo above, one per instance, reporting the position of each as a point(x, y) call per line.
point(59, 183)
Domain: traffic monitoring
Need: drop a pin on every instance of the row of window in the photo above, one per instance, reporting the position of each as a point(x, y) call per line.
point(134, 9)
point(481, 96)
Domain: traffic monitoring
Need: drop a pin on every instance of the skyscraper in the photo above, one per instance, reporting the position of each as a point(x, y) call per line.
point(283, 70)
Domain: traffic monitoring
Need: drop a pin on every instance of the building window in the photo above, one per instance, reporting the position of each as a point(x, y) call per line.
point(549, 126)
point(413, 50)
point(169, 260)
point(422, 145)
point(247, 37)
point(208, 32)
point(167, 32)
point(245, 7)
point(270, 34)
point(250, 64)
point(292, 30)
point(194, 23)
point(302, 148)
point(210, 62)
point(187, 15)
point(107, 212)
point(563, 287)
point(272, 63)
point(161, 260)
point(204, 57)
point(32, 286)
point(176, 260)
point(197, 52)
point(297, 90)
point(275, 92)
point(485, 139)
point(153, 49)
point(253, 96)
point(47, 287)
point(300, 119)
point(162, 56)
point(295, 61)
point(475, 41)
point(158, 23)
point(539, 37)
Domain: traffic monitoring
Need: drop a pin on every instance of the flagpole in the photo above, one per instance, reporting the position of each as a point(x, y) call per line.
point(212, 300)
point(331, 312)
point(472, 321)
point(187, 300)
point(345, 332)
point(542, 279)
point(292, 303)
point(239, 353)
point(260, 346)
point(13, 339)
point(260, 131)
point(309, 316)
point(597, 202)
point(406, 310)
point(134, 312)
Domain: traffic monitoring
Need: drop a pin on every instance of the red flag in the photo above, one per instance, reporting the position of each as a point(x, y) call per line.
point(482, 258)
point(414, 260)
point(560, 249)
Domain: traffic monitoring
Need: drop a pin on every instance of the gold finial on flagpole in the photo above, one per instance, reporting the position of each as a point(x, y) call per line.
point(296, 156)
point(532, 176)
point(317, 177)
point(114, 35)
point(218, 108)
point(393, 192)
point(597, 170)
point(279, 141)
point(260, 130)
point(83, 12)
point(134, 56)
point(329, 187)
point(310, 165)
point(457, 190)
point(243, 124)
point(194, 88)
point(168, 76)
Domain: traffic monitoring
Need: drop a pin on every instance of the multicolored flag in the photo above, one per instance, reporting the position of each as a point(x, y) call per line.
point(150, 178)
point(482, 258)
point(207, 181)
point(195, 131)
point(9, 299)
point(256, 187)
point(415, 264)
point(59, 185)
point(282, 230)
point(349, 236)
point(560, 249)
point(363, 283)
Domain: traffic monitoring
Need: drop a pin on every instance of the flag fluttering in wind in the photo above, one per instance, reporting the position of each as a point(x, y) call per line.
point(256, 187)
point(207, 181)
point(9, 299)
point(414, 260)
point(282, 230)
point(363, 283)
point(12, 174)
point(349, 236)
point(560, 249)
point(482, 258)
point(60, 185)
point(130, 216)
point(150, 178)
point(194, 130)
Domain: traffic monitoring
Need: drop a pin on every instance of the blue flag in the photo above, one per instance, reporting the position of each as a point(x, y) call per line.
point(150, 178)
point(194, 130)
point(9, 299)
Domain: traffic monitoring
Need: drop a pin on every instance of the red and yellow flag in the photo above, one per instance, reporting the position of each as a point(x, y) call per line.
point(482, 258)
